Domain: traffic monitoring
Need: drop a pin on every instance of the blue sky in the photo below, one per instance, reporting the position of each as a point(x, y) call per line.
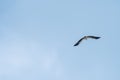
point(37, 38)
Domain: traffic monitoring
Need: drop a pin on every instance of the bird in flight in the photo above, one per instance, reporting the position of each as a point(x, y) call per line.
point(86, 37)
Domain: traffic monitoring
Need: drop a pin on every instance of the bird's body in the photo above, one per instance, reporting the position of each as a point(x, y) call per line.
point(85, 37)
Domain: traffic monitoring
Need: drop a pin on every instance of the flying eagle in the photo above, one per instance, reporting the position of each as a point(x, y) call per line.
point(85, 37)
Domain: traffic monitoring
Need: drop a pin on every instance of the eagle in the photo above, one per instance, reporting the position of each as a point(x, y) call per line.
point(86, 37)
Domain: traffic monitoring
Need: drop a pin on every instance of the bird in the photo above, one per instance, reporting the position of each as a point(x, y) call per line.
point(86, 37)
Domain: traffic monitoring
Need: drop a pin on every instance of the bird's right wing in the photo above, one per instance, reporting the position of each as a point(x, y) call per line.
point(94, 37)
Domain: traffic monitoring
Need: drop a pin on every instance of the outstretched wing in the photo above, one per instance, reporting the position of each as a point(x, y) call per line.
point(94, 37)
point(76, 44)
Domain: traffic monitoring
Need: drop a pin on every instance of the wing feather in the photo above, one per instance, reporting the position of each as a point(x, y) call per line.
point(76, 44)
point(94, 37)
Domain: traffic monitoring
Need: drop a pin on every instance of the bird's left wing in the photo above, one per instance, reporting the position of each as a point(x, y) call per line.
point(77, 43)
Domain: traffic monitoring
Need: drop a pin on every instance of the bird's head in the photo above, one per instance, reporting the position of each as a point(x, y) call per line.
point(86, 37)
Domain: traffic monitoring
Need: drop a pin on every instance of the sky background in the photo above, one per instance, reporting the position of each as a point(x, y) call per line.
point(37, 38)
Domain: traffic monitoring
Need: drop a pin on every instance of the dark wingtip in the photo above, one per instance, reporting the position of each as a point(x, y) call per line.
point(75, 44)
point(98, 37)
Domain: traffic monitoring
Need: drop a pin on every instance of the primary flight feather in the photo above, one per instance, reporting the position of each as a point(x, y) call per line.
point(86, 37)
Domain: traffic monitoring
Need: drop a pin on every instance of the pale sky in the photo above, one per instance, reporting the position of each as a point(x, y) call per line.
point(37, 38)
